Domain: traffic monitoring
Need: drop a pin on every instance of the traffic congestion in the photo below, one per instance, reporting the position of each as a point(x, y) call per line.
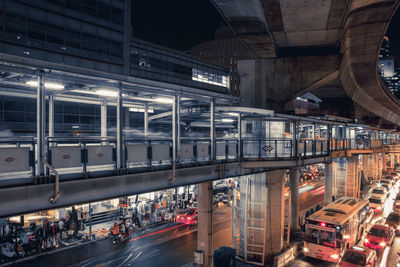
point(356, 232)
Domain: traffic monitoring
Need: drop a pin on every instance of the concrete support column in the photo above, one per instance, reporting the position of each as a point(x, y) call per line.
point(40, 123)
point(204, 233)
point(120, 131)
point(352, 177)
point(328, 183)
point(275, 213)
point(103, 117)
point(294, 190)
point(384, 163)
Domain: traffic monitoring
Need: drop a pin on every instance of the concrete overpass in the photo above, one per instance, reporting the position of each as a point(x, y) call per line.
point(329, 48)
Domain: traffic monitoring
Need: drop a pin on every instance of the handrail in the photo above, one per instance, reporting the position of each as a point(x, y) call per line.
point(56, 193)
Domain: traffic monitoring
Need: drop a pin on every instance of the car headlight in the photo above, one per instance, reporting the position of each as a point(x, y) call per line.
point(334, 256)
point(366, 240)
point(383, 244)
point(398, 227)
point(306, 250)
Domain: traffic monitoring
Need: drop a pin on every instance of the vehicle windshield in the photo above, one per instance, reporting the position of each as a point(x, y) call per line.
point(385, 182)
point(394, 217)
point(320, 237)
point(354, 258)
point(377, 232)
point(377, 191)
point(397, 197)
point(375, 200)
point(190, 212)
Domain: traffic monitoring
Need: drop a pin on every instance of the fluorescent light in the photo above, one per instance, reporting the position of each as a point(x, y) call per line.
point(227, 120)
point(164, 100)
point(110, 93)
point(150, 110)
point(48, 85)
point(232, 114)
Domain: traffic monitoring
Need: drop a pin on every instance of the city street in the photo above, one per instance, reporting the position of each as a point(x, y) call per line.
point(167, 245)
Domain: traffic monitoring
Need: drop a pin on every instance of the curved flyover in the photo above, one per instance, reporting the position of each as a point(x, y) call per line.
point(366, 24)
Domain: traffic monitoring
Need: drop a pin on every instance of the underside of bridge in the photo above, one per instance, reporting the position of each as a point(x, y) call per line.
point(329, 48)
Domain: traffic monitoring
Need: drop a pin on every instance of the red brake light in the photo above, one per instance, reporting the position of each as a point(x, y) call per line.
point(323, 224)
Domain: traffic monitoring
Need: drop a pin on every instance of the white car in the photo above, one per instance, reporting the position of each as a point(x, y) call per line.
point(379, 191)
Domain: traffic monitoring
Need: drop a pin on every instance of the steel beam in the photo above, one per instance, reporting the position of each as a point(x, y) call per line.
point(103, 122)
point(212, 130)
point(120, 130)
point(40, 123)
point(146, 120)
point(176, 128)
point(51, 116)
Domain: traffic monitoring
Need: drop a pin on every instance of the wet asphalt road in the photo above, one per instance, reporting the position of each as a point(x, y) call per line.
point(167, 245)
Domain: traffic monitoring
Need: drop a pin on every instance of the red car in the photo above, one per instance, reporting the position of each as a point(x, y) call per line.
point(358, 256)
point(379, 237)
point(189, 216)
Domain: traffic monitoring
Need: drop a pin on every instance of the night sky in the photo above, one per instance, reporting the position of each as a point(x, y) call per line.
point(177, 24)
point(393, 33)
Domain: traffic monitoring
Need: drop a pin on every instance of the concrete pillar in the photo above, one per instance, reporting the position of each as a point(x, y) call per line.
point(275, 213)
point(40, 123)
point(204, 233)
point(384, 163)
point(328, 183)
point(294, 190)
point(352, 177)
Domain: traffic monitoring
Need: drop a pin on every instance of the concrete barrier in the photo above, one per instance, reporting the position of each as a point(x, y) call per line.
point(287, 256)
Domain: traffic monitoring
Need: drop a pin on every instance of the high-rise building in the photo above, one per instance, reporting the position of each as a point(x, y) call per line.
point(388, 69)
point(225, 50)
point(83, 33)
point(84, 37)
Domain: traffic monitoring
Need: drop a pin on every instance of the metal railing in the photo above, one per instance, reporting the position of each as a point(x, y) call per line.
point(91, 154)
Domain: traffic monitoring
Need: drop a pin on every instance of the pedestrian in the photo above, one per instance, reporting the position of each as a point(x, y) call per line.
point(115, 232)
point(25, 241)
point(75, 223)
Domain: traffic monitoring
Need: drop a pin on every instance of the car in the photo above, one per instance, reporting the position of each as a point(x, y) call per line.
point(358, 256)
point(377, 204)
point(379, 191)
point(379, 237)
point(396, 202)
point(393, 220)
point(387, 184)
point(189, 217)
point(395, 175)
point(306, 175)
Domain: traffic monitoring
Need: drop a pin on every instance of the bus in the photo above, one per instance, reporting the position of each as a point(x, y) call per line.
point(330, 231)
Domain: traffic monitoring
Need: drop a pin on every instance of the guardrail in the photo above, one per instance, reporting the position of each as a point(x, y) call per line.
point(90, 154)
